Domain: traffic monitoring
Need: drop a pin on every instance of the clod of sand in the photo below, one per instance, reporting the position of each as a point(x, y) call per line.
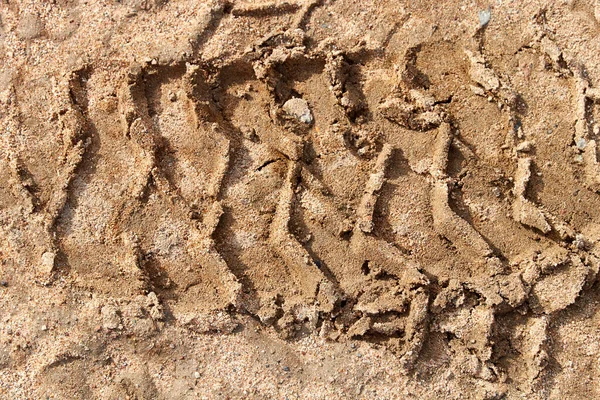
point(30, 26)
point(110, 317)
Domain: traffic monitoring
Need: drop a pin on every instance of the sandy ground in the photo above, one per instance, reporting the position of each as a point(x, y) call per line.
point(313, 199)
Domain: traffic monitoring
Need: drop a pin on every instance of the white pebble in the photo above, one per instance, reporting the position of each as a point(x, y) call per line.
point(484, 17)
point(298, 108)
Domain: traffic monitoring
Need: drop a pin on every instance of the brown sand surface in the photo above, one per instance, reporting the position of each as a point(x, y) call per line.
point(303, 199)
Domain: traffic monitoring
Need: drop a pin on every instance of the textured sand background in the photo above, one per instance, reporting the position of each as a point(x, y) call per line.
point(299, 199)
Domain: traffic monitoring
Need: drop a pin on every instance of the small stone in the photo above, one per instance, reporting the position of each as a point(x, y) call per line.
point(298, 108)
point(421, 99)
point(197, 375)
point(596, 129)
point(580, 242)
point(581, 143)
point(3, 283)
point(47, 263)
point(155, 309)
point(524, 147)
point(286, 369)
point(44, 328)
point(484, 17)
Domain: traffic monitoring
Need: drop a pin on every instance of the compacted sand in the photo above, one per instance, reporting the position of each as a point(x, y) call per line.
point(304, 199)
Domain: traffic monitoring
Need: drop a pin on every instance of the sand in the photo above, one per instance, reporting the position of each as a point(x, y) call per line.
point(321, 199)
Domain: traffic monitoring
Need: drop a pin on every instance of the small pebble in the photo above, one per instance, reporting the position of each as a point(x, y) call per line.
point(197, 375)
point(286, 369)
point(580, 242)
point(581, 143)
point(484, 17)
point(524, 147)
point(298, 108)
point(4, 283)
point(44, 328)
point(47, 263)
